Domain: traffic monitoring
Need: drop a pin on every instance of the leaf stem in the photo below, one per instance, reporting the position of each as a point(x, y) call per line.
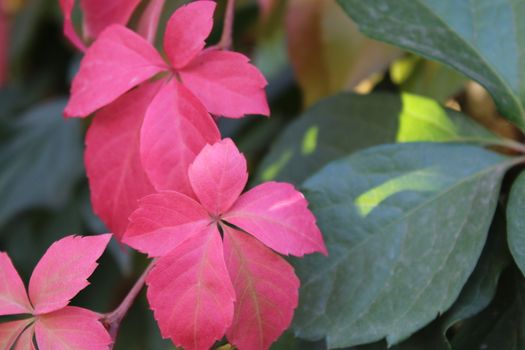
point(227, 29)
point(513, 145)
point(113, 319)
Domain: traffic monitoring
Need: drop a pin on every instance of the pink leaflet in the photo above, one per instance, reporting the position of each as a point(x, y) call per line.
point(117, 179)
point(266, 288)
point(226, 83)
point(277, 215)
point(9, 332)
point(26, 342)
point(63, 271)
point(149, 21)
point(13, 296)
point(190, 292)
point(186, 31)
point(218, 176)
point(164, 220)
point(176, 127)
point(69, 30)
point(99, 14)
point(117, 61)
point(59, 330)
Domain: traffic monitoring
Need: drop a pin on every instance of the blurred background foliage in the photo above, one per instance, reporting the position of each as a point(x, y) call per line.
point(317, 64)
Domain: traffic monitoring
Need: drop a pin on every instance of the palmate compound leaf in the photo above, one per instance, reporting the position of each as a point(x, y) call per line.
point(482, 39)
point(400, 253)
point(346, 123)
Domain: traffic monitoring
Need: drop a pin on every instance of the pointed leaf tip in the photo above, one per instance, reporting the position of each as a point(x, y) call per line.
point(186, 31)
point(13, 295)
point(63, 271)
point(278, 215)
point(218, 175)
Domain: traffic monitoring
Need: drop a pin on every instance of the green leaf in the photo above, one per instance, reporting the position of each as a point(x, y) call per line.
point(399, 252)
point(340, 125)
point(427, 78)
point(475, 296)
point(41, 162)
point(516, 221)
point(482, 39)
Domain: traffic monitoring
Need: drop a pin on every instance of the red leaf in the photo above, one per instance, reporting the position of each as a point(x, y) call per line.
point(164, 220)
point(266, 288)
point(186, 31)
point(116, 177)
point(99, 14)
point(71, 328)
point(277, 214)
point(190, 292)
point(63, 271)
point(218, 176)
point(69, 30)
point(13, 296)
point(117, 61)
point(10, 331)
point(226, 83)
point(175, 129)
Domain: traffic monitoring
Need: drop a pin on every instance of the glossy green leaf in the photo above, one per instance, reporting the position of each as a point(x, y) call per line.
point(483, 39)
point(340, 125)
point(516, 221)
point(399, 252)
point(41, 162)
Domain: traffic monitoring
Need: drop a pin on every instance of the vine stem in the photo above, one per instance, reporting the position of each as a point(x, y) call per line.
point(113, 319)
point(227, 29)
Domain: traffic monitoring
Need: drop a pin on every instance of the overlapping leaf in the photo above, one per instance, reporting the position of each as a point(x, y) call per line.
point(391, 231)
point(345, 123)
point(458, 33)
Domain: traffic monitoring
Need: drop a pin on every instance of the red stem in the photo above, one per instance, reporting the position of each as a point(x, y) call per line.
point(113, 319)
point(226, 37)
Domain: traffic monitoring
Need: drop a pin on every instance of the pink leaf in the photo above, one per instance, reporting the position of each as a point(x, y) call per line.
point(218, 176)
point(164, 220)
point(190, 292)
point(226, 83)
point(71, 328)
point(99, 14)
point(116, 177)
point(149, 20)
point(10, 331)
point(69, 30)
point(176, 128)
point(186, 31)
point(266, 288)
point(63, 271)
point(13, 296)
point(117, 61)
point(277, 214)
point(26, 341)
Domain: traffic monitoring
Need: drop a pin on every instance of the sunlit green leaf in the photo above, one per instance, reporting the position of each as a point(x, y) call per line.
point(483, 39)
point(394, 267)
point(340, 125)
